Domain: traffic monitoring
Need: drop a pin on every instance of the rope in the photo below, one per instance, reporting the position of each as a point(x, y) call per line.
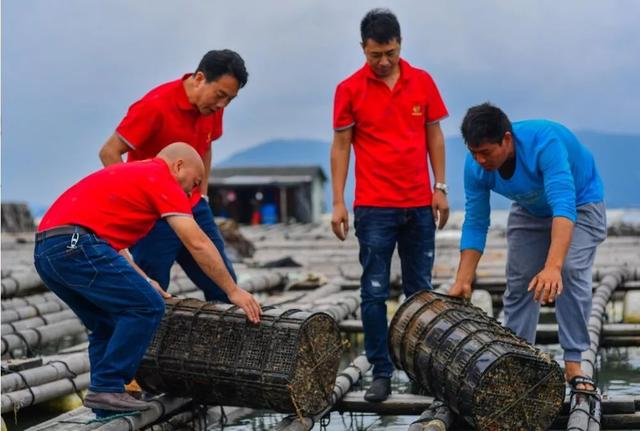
point(70, 376)
point(26, 384)
point(22, 338)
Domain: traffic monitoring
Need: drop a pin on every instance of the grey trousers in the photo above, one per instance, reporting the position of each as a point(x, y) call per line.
point(528, 240)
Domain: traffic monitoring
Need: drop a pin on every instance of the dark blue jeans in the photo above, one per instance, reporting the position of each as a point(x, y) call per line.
point(121, 310)
point(378, 230)
point(156, 252)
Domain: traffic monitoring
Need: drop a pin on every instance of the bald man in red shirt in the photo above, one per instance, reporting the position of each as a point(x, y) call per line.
point(78, 257)
point(189, 109)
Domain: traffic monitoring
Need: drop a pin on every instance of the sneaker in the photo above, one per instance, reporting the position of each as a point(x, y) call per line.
point(114, 401)
point(379, 390)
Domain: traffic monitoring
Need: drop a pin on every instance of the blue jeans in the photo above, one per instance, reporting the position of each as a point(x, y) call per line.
point(156, 252)
point(378, 230)
point(121, 310)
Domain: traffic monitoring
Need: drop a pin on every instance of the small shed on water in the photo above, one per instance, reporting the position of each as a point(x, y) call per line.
point(268, 194)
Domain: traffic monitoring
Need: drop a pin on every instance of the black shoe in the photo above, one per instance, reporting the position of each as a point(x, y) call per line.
point(114, 401)
point(379, 390)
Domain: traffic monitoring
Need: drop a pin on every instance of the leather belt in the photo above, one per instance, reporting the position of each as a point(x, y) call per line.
point(61, 230)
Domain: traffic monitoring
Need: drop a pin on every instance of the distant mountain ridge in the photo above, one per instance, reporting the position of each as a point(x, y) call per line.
point(617, 158)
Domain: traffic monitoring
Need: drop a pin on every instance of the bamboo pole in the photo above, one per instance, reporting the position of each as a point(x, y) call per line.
point(41, 309)
point(20, 282)
point(37, 394)
point(38, 298)
point(36, 337)
point(585, 414)
point(38, 321)
point(344, 381)
point(57, 368)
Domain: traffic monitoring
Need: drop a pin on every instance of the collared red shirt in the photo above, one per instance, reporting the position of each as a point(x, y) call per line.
point(164, 116)
point(120, 203)
point(389, 134)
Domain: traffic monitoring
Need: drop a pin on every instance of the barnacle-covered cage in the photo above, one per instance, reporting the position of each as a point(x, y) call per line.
point(210, 352)
point(494, 379)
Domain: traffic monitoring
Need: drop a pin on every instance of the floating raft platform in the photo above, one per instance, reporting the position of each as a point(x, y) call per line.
point(305, 267)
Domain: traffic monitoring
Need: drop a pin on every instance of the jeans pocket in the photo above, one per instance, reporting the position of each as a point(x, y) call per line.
point(73, 267)
point(358, 214)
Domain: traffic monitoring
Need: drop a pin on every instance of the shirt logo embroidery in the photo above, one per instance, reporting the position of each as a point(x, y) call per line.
point(417, 111)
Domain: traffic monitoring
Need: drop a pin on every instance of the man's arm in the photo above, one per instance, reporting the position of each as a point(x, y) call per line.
point(548, 282)
point(204, 186)
point(340, 152)
point(469, 259)
point(435, 144)
point(560, 191)
point(208, 258)
point(127, 255)
point(112, 151)
point(477, 217)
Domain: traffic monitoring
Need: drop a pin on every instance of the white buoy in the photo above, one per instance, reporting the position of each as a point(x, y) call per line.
point(482, 300)
point(631, 308)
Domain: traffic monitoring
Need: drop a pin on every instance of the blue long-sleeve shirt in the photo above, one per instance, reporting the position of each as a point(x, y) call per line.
point(554, 174)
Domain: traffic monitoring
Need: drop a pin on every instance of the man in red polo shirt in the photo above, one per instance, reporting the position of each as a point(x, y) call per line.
point(390, 112)
point(77, 256)
point(189, 110)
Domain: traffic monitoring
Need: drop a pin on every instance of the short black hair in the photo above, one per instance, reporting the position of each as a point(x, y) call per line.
point(484, 124)
point(381, 25)
point(216, 63)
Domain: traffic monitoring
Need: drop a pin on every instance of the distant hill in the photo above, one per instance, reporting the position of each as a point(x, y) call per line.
point(617, 158)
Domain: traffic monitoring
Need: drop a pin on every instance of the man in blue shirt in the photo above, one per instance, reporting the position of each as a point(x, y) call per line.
point(555, 224)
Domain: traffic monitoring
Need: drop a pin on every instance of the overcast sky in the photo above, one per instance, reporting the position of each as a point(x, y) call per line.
point(71, 68)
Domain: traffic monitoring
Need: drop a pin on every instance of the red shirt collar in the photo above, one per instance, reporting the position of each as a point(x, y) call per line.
point(181, 96)
point(406, 71)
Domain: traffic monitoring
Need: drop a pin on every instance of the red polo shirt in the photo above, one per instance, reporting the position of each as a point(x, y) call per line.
point(164, 116)
point(389, 134)
point(120, 203)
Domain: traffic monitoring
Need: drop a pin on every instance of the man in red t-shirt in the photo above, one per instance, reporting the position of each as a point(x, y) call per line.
point(390, 112)
point(189, 110)
point(80, 254)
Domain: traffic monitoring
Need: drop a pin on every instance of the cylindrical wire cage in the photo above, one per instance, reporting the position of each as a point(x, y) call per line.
point(482, 371)
point(213, 354)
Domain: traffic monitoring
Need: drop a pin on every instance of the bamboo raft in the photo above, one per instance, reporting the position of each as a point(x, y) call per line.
point(326, 280)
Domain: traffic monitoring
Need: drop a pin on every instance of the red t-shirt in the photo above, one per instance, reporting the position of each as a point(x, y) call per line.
point(389, 134)
point(120, 203)
point(164, 116)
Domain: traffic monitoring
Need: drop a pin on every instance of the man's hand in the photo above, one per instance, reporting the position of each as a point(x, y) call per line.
point(340, 221)
point(247, 302)
point(159, 289)
point(440, 208)
point(547, 285)
point(460, 289)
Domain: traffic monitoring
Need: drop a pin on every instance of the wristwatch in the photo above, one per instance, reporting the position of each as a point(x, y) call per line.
point(442, 187)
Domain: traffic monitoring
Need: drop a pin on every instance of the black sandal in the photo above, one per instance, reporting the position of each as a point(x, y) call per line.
point(583, 380)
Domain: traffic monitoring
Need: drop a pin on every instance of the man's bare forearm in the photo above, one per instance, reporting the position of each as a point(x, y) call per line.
point(469, 259)
point(112, 151)
point(561, 233)
point(340, 153)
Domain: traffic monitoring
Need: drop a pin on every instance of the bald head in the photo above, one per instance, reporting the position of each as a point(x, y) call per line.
point(185, 165)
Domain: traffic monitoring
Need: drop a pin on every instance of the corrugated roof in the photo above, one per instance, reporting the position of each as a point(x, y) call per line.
point(266, 174)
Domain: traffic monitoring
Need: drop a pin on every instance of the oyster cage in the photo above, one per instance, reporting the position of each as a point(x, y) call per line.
point(481, 370)
point(213, 354)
